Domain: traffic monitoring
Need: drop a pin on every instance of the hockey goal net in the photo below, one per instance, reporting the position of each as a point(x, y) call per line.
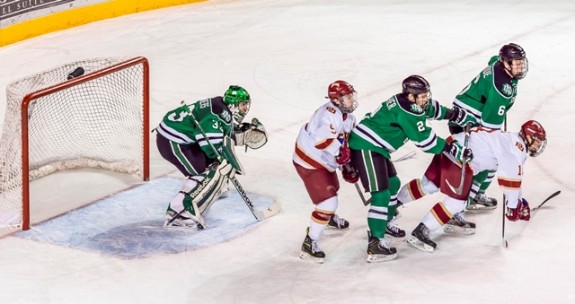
point(52, 123)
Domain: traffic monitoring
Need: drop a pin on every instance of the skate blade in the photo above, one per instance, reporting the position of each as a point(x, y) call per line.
point(334, 230)
point(376, 258)
point(173, 226)
point(452, 229)
point(394, 237)
point(416, 243)
point(478, 207)
point(307, 257)
point(182, 228)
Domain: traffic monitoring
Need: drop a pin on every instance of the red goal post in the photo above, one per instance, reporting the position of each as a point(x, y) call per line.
point(96, 120)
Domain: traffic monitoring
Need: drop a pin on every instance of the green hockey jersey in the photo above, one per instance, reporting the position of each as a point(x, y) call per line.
point(489, 95)
point(212, 114)
point(395, 122)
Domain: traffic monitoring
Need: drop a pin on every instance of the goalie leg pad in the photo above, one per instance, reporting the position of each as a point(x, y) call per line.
point(209, 189)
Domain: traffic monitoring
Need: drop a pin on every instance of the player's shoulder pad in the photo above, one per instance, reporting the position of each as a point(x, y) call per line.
point(220, 109)
point(502, 81)
point(493, 59)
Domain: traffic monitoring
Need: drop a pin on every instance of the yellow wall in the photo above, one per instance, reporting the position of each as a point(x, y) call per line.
point(78, 16)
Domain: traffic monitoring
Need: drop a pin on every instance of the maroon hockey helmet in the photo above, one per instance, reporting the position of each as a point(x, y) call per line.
point(337, 90)
point(531, 132)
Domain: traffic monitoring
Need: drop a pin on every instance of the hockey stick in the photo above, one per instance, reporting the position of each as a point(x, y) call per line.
point(407, 156)
point(459, 189)
point(258, 214)
point(547, 199)
point(367, 201)
point(554, 194)
point(503, 240)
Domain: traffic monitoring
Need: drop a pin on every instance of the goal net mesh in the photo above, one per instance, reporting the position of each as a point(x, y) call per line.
point(91, 123)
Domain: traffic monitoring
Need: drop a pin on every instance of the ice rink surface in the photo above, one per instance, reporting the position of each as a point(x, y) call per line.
point(285, 53)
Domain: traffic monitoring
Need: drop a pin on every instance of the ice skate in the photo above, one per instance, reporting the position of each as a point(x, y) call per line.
point(378, 250)
point(393, 230)
point(458, 225)
point(310, 250)
point(337, 223)
point(481, 202)
point(183, 220)
point(420, 239)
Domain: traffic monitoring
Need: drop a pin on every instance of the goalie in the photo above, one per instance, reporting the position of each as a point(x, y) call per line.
point(189, 136)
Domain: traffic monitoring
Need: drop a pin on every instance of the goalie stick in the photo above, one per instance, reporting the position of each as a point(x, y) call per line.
point(365, 201)
point(260, 215)
point(554, 194)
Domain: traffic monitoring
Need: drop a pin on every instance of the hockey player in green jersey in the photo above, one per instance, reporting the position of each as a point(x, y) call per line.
point(488, 98)
point(380, 133)
point(187, 137)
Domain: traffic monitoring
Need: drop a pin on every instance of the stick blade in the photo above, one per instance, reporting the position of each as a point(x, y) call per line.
point(268, 212)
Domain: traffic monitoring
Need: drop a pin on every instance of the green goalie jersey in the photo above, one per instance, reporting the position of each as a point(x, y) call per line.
point(212, 114)
point(489, 95)
point(395, 122)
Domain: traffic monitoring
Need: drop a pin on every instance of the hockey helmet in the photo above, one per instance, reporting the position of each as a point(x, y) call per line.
point(421, 91)
point(415, 85)
point(342, 91)
point(238, 100)
point(510, 52)
point(532, 133)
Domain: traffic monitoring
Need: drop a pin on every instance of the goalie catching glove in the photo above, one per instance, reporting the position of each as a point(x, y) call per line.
point(252, 135)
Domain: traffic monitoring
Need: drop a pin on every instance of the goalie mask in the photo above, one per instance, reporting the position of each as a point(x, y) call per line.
point(514, 60)
point(534, 136)
point(238, 101)
point(345, 95)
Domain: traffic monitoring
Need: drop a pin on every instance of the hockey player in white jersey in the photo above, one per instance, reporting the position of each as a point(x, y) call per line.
point(321, 148)
point(504, 152)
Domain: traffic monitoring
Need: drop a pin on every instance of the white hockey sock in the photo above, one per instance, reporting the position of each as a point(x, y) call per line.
point(323, 209)
point(440, 213)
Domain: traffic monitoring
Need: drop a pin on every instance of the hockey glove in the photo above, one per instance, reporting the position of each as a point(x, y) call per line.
point(344, 154)
point(521, 212)
point(349, 173)
point(462, 117)
point(458, 151)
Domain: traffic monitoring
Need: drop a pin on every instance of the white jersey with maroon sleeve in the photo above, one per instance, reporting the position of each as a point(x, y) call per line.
point(501, 151)
point(319, 140)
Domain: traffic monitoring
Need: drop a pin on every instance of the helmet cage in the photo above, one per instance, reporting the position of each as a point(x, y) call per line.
point(354, 103)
